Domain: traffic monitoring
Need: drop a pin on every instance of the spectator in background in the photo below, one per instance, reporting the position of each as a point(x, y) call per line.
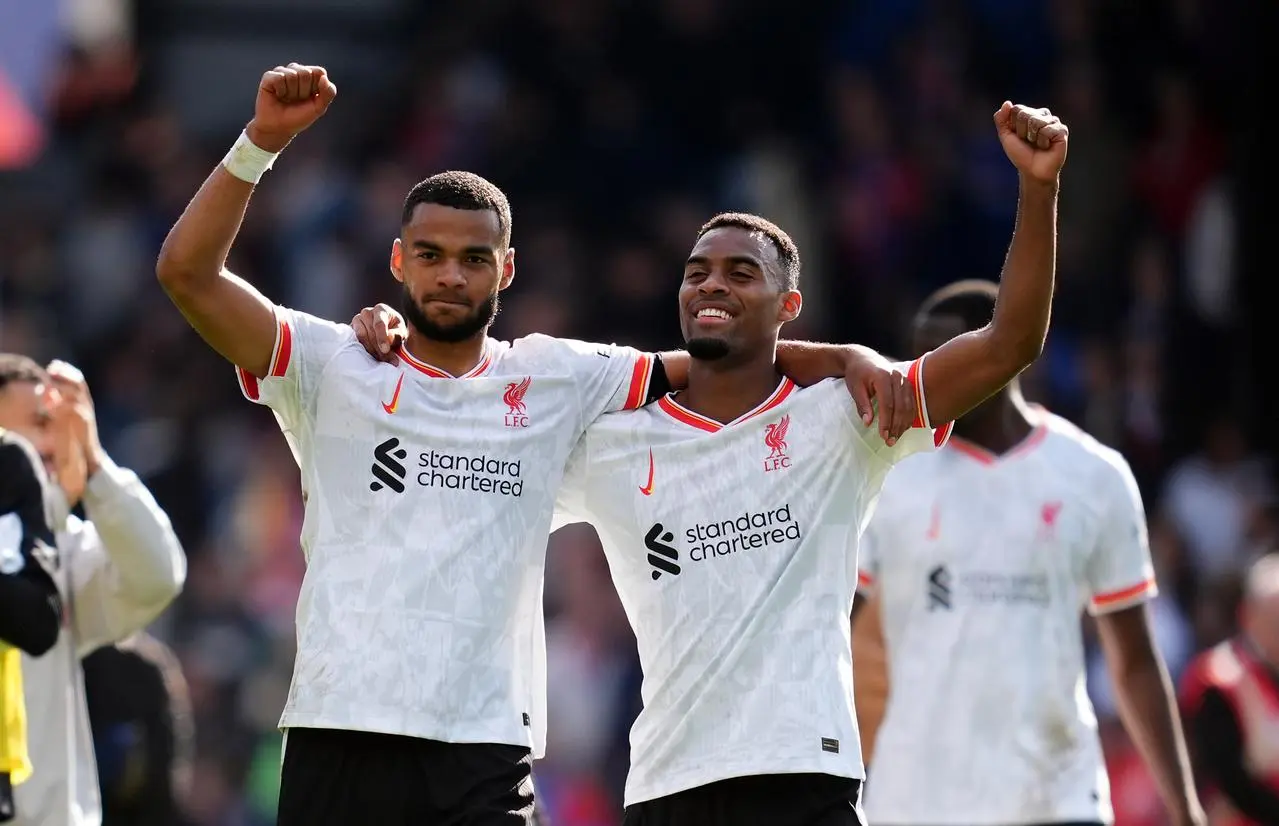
point(1231, 699)
point(584, 114)
point(116, 571)
point(140, 711)
point(1211, 498)
point(29, 605)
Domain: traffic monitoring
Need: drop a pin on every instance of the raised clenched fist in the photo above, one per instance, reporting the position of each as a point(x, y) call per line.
point(1034, 140)
point(290, 98)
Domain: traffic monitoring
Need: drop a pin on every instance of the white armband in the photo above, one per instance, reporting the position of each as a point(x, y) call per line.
point(248, 161)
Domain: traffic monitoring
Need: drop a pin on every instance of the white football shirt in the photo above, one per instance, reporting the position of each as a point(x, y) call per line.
point(734, 551)
point(428, 500)
point(983, 566)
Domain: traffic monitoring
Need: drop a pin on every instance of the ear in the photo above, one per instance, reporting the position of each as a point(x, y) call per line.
point(397, 260)
point(508, 270)
point(792, 303)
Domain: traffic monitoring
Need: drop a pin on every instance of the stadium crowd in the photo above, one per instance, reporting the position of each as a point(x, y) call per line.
point(615, 133)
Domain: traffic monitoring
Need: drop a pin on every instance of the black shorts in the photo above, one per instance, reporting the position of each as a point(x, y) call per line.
point(761, 800)
point(354, 777)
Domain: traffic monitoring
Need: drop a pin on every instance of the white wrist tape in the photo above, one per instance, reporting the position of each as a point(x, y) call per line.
point(248, 161)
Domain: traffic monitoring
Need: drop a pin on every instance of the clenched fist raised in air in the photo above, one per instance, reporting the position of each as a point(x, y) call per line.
point(1034, 140)
point(290, 98)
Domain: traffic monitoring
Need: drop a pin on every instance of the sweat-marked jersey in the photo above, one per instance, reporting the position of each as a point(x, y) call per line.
point(982, 566)
point(734, 551)
point(428, 500)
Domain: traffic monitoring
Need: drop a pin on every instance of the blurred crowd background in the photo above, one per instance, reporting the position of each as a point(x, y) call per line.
point(862, 127)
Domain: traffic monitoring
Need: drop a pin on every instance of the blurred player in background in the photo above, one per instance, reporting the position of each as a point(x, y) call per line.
point(143, 731)
point(117, 570)
point(418, 691)
point(731, 512)
point(1230, 695)
point(30, 607)
point(982, 557)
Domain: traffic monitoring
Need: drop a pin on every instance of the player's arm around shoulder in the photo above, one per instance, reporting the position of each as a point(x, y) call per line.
point(608, 377)
point(231, 315)
point(871, 428)
point(968, 369)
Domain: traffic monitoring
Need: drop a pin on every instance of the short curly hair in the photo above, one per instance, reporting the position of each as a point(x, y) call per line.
point(461, 190)
point(787, 252)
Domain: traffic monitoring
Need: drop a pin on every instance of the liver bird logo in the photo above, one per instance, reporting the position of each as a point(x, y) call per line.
point(775, 437)
point(514, 395)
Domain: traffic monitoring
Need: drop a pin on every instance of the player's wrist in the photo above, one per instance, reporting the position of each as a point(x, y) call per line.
point(252, 155)
point(1033, 186)
point(268, 141)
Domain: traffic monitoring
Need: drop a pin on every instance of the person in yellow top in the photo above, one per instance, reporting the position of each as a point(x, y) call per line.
point(14, 760)
point(30, 609)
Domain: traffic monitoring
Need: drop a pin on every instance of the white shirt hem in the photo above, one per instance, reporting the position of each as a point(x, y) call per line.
point(396, 725)
point(675, 782)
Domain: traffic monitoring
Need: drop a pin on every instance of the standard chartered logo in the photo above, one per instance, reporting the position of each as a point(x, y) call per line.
point(445, 471)
point(388, 466)
point(706, 541)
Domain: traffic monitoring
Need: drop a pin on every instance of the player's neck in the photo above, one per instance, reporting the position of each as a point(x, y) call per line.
point(724, 391)
point(998, 425)
point(453, 357)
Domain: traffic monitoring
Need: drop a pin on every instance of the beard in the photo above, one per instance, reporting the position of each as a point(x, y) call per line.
point(469, 326)
point(707, 348)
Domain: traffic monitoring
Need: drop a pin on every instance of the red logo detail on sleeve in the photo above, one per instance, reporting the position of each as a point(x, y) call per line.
point(775, 441)
point(516, 413)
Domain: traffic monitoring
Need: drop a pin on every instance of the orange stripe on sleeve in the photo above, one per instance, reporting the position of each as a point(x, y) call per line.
point(283, 351)
point(916, 377)
point(865, 580)
point(248, 384)
point(1130, 594)
point(640, 377)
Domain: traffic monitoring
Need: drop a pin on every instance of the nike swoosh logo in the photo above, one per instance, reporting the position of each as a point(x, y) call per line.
point(602, 354)
point(647, 490)
point(395, 397)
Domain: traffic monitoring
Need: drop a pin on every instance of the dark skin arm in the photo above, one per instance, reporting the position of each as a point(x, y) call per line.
point(868, 374)
point(229, 313)
point(970, 368)
point(870, 669)
point(859, 602)
point(1148, 708)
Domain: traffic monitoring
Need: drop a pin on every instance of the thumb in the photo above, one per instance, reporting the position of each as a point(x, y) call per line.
point(1004, 117)
point(327, 91)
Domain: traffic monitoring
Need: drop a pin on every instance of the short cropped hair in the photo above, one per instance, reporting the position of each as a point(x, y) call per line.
point(972, 301)
point(461, 190)
point(787, 252)
point(15, 368)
